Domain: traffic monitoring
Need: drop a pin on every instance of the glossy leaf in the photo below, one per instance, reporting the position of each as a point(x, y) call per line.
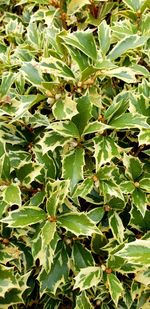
point(73, 166)
point(24, 217)
point(137, 252)
point(78, 224)
point(84, 41)
point(115, 287)
point(129, 42)
point(12, 195)
point(88, 277)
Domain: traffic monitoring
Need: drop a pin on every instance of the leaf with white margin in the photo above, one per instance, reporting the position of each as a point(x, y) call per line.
point(136, 252)
point(25, 216)
point(88, 277)
point(64, 109)
point(75, 5)
point(82, 302)
point(7, 280)
point(127, 43)
point(95, 126)
point(78, 224)
point(51, 140)
point(84, 41)
point(116, 226)
point(56, 194)
point(115, 288)
point(12, 195)
point(72, 166)
point(65, 128)
point(104, 35)
point(129, 121)
point(134, 5)
point(105, 150)
point(144, 137)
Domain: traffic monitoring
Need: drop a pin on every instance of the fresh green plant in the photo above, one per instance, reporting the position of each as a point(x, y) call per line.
point(74, 154)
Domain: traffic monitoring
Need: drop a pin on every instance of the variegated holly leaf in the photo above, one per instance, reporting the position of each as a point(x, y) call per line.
point(115, 288)
point(82, 301)
point(105, 150)
point(64, 109)
point(12, 195)
point(104, 35)
point(76, 5)
point(56, 194)
point(136, 252)
point(81, 256)
point(78, 224)
point(58, 275)
point(84, 41)
point(88, 277)
point(72, 166)
point(51, 140)
point(24, 216)
point(116, 226)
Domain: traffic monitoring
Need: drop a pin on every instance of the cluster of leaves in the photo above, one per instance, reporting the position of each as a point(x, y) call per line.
point(74, 154)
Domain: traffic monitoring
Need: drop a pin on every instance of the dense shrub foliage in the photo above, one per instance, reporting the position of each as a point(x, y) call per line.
point(74, 154)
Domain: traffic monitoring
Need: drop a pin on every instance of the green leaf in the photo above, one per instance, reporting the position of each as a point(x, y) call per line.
point(78, 224)
point(124, 73)
point(65, 128)
point(115, 288)
point(129, 121)
point(139, 200)
point(139, 222)
point(95, 126)
point(44, 245)
point(84, 113)
point(5, 167)
point(105, 150)
point(26, 102)
point(134, 167)
point(144, 184)
point(104, 35)
point(7, 81)
point(96, 214)
point(134, 5)
point(81, 256)
point(116, 226)
point(84, 188)
point(84, 41)
point(24, 216)
point(136, 252)
point(32, 73)
point(48, 231)
point(118, 107)
point(88, 277)
point(64, 109)
point(73, 166)
point(12, 195)
point(56, 67)
point(76, 5)
point(58, 275)
point(51, 140)
point(143, 277)
point(3, 207)
point(127, 43)
point(8, 280)
point(82, 302)
point(109, 187)
point(56, 194)
point(144, 137)
point(127, 187)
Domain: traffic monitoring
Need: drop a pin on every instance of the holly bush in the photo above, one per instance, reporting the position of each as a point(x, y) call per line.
point(74, 154)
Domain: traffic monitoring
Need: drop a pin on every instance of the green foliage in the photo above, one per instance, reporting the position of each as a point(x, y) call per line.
point(74, 154)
